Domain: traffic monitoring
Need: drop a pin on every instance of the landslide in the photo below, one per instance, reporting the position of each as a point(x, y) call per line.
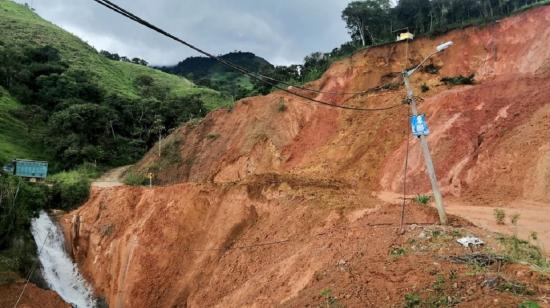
point(259, 206)
point(488, 140)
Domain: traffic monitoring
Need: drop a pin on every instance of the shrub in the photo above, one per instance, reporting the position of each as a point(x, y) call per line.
point(528, 304)
point(500, 215)
point(412, 300)
point(135, 179)
point(330, 300)
point(397, 252)
point(68, 196)
point(431, 69)
point(71, 188)
point(213, 136)
point(514, 219)
point(281, 107)
point(458, 80)
point(424, 88)
point(194, 122)
point(422, 199)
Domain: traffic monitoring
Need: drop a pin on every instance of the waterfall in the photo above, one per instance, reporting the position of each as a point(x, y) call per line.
point(58, 269)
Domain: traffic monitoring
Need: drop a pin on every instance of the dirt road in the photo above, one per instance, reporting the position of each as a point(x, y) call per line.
point(533, 217)
point(111, 178)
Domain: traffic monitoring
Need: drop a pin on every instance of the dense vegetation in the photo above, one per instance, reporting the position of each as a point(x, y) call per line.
point(19, 201)
point(62, 101)
point(374, 21)
point(83, 122)
point(212, 74)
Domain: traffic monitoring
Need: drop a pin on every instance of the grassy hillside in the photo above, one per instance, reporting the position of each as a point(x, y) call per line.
point(22, 28)
point(16, 140)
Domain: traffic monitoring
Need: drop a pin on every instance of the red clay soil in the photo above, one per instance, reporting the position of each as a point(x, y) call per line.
point(33, 297)
point(299, 186)
point(272, 243)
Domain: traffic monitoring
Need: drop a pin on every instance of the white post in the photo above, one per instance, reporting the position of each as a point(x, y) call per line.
point(427, 156)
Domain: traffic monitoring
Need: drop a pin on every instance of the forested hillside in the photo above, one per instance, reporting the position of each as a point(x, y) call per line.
point(212, 74)
point(62, 100)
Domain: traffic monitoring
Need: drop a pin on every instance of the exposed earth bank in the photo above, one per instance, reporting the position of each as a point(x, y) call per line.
point(262, 207)
point(33, 297)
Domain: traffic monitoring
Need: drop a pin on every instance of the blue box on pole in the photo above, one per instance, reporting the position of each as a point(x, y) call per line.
point(419, 125)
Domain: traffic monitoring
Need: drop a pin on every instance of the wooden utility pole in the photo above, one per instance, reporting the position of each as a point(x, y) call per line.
point(426, 153)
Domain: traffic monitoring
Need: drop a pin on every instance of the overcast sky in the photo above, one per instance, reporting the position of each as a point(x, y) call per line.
point(282, 31)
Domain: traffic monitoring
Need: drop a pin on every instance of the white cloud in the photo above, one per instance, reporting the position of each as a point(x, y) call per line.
point(283, 32)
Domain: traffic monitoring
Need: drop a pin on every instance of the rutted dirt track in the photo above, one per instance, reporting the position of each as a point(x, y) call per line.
point(266, 208)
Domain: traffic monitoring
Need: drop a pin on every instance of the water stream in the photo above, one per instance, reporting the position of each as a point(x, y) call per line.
point(57, 268)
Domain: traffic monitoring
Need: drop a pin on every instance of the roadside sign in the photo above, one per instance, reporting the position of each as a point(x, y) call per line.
point(419, 125)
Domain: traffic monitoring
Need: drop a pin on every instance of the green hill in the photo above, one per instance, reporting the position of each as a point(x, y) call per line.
point(45, 68)
point(21, 26)
point(210, 73)
point(15, 138)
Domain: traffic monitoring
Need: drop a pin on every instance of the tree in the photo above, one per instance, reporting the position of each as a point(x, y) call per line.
point(158, 127)
point(108, 55)
point(77, 133)
point(414, 14)
point(367, 20)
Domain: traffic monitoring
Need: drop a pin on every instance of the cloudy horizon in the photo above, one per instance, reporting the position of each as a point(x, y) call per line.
point(282, 33)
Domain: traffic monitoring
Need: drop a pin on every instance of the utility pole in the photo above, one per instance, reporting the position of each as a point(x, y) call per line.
point(423, 142)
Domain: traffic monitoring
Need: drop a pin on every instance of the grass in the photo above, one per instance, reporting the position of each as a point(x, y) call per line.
point(135, 179)
point(524, 252)
point(85, 171)
point(16, 141)
point(516, 288)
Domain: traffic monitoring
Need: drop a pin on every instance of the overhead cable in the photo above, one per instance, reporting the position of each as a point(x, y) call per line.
point(110, 5)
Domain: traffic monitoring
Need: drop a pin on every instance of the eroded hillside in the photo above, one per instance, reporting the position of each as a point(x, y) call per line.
point(265, 207)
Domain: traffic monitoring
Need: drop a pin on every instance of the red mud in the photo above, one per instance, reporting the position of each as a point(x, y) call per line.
point(267, 208)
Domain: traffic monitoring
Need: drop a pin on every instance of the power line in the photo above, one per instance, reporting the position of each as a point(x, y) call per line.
point(126, 13)
point(405, 175)
point(110, 5)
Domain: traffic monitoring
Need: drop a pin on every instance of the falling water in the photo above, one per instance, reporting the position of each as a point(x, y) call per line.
point(58, 269)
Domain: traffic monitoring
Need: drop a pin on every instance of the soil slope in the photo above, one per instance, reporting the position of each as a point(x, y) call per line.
point(265, 208)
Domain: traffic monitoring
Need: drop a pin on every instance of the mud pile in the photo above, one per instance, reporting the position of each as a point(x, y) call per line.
point(263, 207)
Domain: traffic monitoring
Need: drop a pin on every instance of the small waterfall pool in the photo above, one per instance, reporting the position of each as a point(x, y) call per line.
point(59, 271)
